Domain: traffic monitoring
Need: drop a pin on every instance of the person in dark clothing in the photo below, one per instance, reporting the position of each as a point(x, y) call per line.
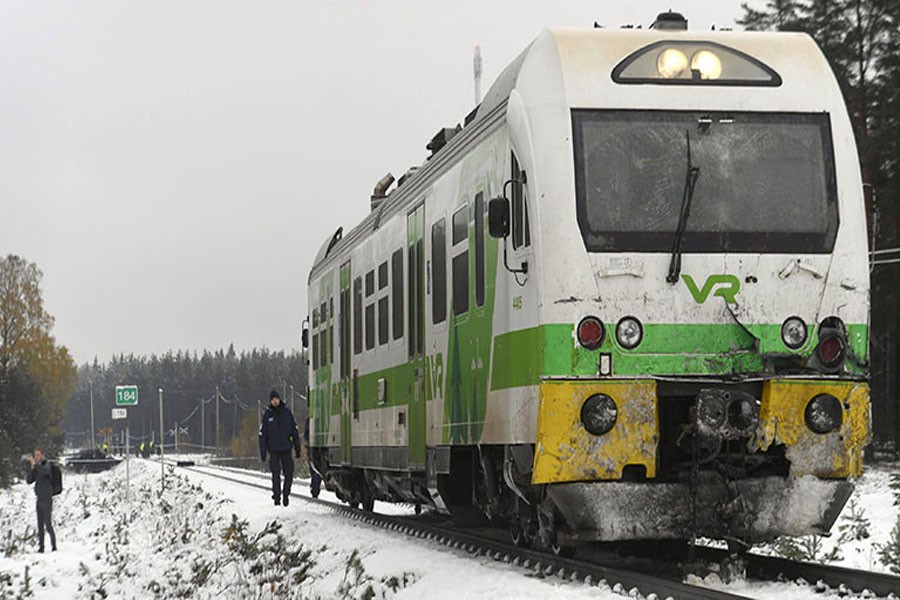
point(40, 475)
point(277, 435)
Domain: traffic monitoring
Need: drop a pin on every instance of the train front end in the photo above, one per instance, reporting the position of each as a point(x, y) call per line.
point(704, 289)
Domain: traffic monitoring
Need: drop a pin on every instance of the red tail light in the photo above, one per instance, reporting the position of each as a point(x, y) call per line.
point(831, 350)
point(590, 333)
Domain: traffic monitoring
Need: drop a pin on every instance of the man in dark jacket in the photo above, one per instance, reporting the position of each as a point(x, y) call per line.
point(40, 475)
point(277, 435)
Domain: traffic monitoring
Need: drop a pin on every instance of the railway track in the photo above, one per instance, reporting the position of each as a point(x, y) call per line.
point(842, 580)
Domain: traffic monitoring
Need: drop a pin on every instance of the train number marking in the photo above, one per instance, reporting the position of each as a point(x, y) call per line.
point(727, 286)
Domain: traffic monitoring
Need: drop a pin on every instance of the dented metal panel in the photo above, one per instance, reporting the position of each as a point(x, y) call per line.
point(567, 452)
point(835, 454)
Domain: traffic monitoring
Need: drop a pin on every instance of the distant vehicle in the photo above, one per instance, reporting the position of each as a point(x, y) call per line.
point(91, 460)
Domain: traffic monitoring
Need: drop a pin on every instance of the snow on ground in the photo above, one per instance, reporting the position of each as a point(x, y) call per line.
point(207, 538)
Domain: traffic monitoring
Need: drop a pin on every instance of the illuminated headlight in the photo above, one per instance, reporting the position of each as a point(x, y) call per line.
point(707, 64)
point(793, 332)
point(598, 414)
point(629, 333)
point(671, 63)
point(824, 414)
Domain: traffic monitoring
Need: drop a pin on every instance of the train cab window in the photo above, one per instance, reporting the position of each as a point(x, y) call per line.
point(439, 272)
point(521, 230)
point(461, 261)
point(357, 315)
point(397, 293)
point(479, 249)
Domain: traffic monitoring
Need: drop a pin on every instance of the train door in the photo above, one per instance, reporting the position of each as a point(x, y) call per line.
point(345, 384)
point(415, 255)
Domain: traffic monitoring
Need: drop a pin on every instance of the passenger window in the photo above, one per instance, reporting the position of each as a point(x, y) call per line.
point(370, 326)
point(315, 351)
point(382, 276)
point(383, 320)
point(479, 249)
point(397, 292)
point(461, 261)
point(521, 233)
point(439, 272)
point(357, 315)
point(370, 283)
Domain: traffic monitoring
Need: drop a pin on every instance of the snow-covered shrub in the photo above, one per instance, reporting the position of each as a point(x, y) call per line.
point(807, 548)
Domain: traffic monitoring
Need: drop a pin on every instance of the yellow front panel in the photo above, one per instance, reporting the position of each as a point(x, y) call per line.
point(565, 451)
point(837, 454)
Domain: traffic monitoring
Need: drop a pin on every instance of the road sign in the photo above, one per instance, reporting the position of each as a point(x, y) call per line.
point(119, 413)
point(126, 395)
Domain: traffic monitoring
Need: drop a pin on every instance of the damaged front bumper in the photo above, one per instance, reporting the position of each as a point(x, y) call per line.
point(753, 510)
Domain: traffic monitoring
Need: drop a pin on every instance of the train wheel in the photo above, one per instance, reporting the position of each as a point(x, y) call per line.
point(560, 550)
point(518, 534)
point(368, 500)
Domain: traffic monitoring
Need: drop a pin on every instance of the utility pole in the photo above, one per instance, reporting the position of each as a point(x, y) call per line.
point(93, 443)
point(476, 65)
point(202, 424)
point(218, 438)
point(162, 452)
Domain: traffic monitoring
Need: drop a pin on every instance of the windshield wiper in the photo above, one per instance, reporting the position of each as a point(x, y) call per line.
point(690, 181)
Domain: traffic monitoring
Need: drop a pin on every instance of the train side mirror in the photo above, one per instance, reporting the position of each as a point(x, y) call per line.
point(304, 336)
point(498, 217)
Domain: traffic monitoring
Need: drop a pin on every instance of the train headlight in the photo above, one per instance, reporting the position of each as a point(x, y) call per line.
point(823, 414)
point(671, 63)
point(793, 332)
point(590, 333)
point(629, 333)
point(743, 413)
point(599, 414)
point(832, 348)
point(707, 64)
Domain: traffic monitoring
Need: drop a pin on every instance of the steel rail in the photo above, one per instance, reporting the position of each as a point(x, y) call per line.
point(569, 569)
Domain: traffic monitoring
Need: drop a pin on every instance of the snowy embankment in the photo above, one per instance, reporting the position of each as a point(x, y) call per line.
point(206, 538)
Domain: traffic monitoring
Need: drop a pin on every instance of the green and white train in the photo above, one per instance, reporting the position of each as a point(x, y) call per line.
point(627, 300)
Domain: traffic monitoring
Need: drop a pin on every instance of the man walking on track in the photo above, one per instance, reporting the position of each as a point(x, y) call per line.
point(277, 436)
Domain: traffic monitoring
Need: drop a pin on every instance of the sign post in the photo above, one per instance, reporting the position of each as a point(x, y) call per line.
point(126, 395)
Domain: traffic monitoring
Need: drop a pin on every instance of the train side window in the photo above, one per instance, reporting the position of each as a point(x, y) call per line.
point(383, 320)
point(315, 351)
point(461, 261)
point(439, 271)
point(357, 315)
point(315, 318)
point(382, 276)
point(397, 292)
point(323, 352)
point(479, 249)
point(370, 326)
point(370, 283)
point(521, 232)
point(331, 330)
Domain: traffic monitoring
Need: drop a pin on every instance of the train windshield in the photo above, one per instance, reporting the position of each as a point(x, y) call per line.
point(765, 184)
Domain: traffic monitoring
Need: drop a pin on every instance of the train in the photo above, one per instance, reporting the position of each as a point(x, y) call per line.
point(627, 299)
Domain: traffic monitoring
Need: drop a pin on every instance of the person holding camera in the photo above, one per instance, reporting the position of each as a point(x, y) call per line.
point(41, 476)
point(277, 436)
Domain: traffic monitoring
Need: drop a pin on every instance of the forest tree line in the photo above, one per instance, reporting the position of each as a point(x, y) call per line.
point(36, 375)
point(861, 39)
point(192, 386)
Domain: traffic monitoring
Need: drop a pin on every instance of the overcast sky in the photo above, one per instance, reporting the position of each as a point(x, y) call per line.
point(173, 166)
